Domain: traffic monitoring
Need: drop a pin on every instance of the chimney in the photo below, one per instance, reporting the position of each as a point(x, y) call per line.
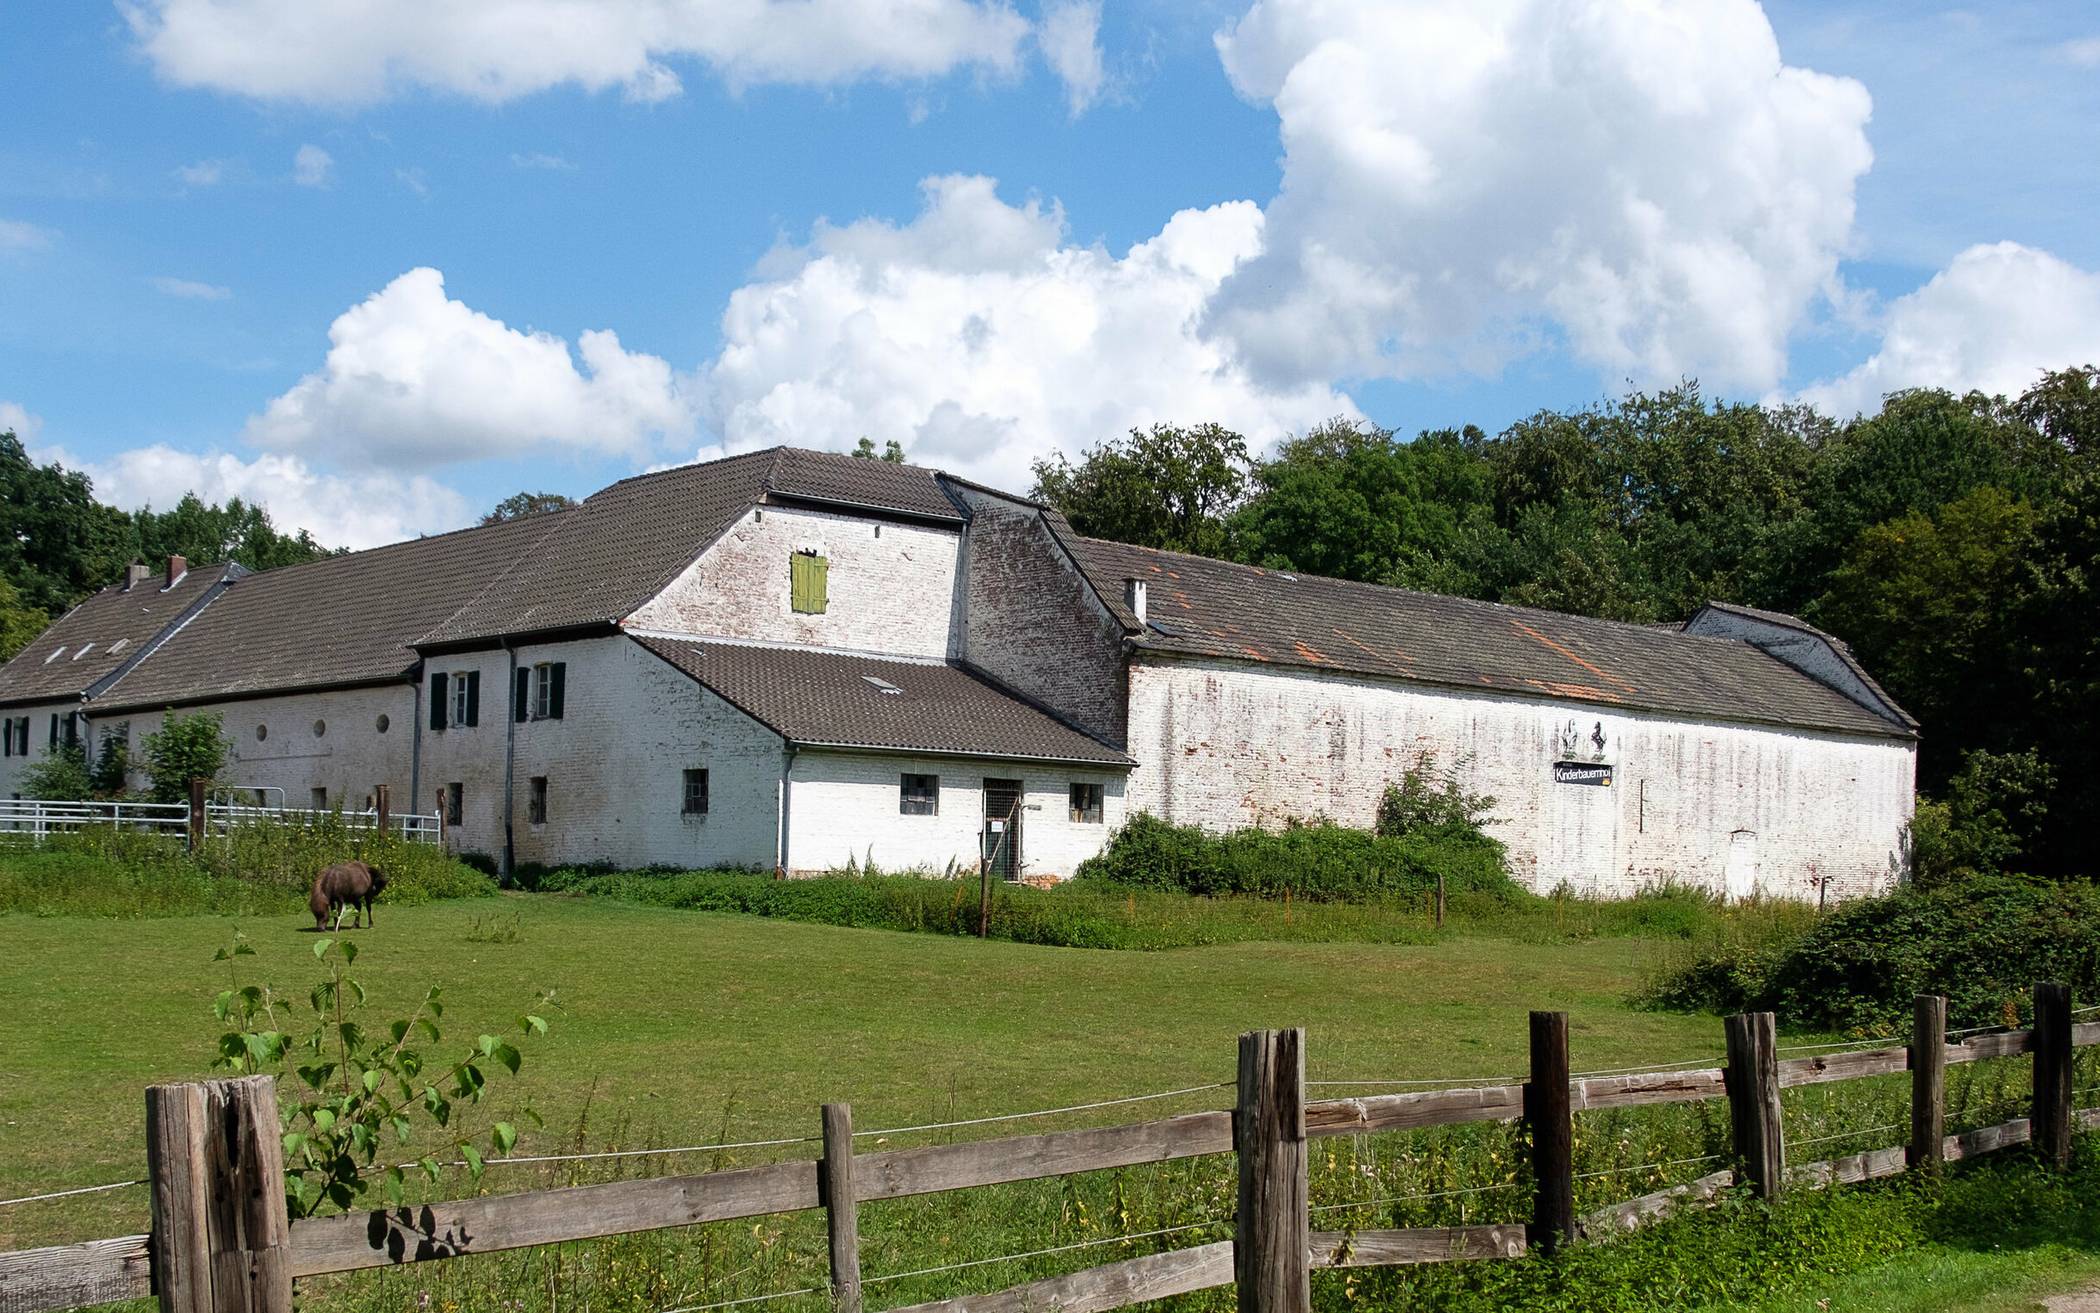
point(1134, 597)
point(177, 567)
point(135, 574)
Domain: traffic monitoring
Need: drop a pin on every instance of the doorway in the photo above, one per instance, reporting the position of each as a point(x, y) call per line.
point(1740, 882)
point(1002, 828)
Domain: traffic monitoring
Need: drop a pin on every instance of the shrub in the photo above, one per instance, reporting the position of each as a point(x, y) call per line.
point(184, 748)
point(59, 776)
point(1318, 863)
point(1982, 941)
point(1428, 801)
point(1993, 809)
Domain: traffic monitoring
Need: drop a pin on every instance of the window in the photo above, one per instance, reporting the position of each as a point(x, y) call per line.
point(261, 732)
point(695, 793)
point(455, 802)
point(463, 690)
point(1086, 803)
point(919, 795)
point(381, 724)
point(538, 695)
point(808, 584)
point(320, 728)
point(320, 800)
point(536, 804)
point(455, 698)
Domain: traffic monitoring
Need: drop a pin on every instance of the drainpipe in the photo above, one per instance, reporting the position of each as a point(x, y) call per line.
point(510, 744)
point(787, 793)
point(415, 745)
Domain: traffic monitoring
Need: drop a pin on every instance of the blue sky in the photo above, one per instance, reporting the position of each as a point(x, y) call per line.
point(918, 220)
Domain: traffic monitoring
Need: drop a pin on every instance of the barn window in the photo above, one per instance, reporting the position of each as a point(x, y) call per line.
point(466, 697)
point(320, 800)
point(320, 728)
point(1086, 803)
point(455, 802)
point(381, 724)
point(538, 695)
point(261, 732)
point(695, 792)
point(919, 795)
point(808, 582)
point(536, 805)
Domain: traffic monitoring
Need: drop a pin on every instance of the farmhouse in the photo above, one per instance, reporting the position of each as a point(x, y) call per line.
point(786, 659)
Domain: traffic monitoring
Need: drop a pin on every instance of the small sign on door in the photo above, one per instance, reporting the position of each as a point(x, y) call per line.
point(1581, 772)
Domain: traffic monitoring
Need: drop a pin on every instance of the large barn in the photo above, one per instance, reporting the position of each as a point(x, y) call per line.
point(786, 659)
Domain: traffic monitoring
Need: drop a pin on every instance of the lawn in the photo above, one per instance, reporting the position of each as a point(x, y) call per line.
point(680, 1028)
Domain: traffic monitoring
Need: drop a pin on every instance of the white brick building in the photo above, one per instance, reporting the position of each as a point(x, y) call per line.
point(786, 659)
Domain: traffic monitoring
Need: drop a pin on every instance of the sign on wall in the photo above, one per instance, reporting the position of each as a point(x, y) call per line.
point(1581, 772)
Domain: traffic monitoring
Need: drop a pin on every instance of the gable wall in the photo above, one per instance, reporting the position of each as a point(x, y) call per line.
point(891, 586)
point(1226, 745)
point(1032, 622)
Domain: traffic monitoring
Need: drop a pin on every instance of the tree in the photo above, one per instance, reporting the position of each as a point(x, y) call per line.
point(184, 748)
point(2056, 649)
point(60, 775)
point(110, 776)
point(57, 543)
point(892, 451)
point(2065, 406)
point(1164, 487)
point(238, 531)
point(521, 504)
point(19, 623)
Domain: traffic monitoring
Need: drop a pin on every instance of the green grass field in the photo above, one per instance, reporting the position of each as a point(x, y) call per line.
point(680, 1028)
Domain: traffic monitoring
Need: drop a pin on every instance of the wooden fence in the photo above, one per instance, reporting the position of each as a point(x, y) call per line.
point(220, 1241)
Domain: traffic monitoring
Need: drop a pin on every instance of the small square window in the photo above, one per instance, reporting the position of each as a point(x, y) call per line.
point(536, 804)
point(919, 795)
point(455, 802)
point(695, 793)
point(1086, 804)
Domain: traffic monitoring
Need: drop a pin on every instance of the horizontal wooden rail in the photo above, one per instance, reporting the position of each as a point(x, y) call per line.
point(420, 1232)
point(1844, 1066)
point(1996, 1044)
point(1406, 1112)
point(1636, 1213)
point(1647, 1087)
point(1423, 1244)
point(67, 1276)
point(1099, 1289)
point(901, 1172)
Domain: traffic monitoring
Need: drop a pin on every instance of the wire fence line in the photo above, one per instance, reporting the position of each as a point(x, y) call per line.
point(1688, 1064)
point(1460, 1082)
point(66, 1194)
point(1047, 1112)
point(1648, 1167)
point(1410, 1198)
point(1847, 1135)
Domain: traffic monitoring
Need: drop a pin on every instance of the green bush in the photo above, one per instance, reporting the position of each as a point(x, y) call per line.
point(61, 775)
point(184, 748)
point(1982, 941)
point(1317, 863)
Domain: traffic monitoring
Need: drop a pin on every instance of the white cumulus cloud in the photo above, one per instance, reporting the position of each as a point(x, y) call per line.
point(1071, 41)
point(980, 338)
point(1645, 181)
point(358, 510)
point(1993, 320)
point(355, 51)
point(312, 167)
point(16, 419)
point(416, 378)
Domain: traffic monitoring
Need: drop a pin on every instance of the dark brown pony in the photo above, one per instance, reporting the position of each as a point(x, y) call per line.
point(342, 888)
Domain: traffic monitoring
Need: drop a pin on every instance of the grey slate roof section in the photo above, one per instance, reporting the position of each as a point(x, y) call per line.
point(853, 481)
point(342, 620)
point(1243, 613)
point(1837, 645)
point(828, 699)
point(98, 626)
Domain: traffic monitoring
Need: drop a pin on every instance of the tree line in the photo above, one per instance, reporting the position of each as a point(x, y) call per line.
point(1952, 540)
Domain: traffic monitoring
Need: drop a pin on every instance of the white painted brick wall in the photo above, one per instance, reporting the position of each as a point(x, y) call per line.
point(12, 769)
point(1225, 745)
point(891, 586)
point(348, 758)
point(614, 764)
point(845, 804)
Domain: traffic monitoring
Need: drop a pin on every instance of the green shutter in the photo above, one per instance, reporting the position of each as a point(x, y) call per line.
point(808, 578)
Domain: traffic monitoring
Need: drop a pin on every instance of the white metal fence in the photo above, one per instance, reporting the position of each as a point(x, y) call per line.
point(36, 820)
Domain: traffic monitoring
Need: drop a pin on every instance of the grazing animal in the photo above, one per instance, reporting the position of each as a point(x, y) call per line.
point(342, 888)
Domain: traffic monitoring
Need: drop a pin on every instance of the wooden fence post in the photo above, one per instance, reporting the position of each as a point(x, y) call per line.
point(221, 1240)
point(1549, 1115)
point(2051, 1118)
point(1928, 1080)
point(384, 806)
point(841, 1207)
point(1272, 1236)
point(1439, 899)
point(197, 817)
point(1752, 1079)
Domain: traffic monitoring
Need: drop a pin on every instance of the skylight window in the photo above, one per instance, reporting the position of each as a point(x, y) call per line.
point(883, 685)
point(56, 653)
point(118, 646)
point(82, 650)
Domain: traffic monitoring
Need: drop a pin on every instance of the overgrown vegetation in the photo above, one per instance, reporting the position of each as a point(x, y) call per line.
point(260, 869)
point(184, 748)
point(1980, 940)
point(60, 775)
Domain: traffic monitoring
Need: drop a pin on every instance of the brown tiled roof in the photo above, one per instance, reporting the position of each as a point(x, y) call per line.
point(1213, 608)
point(105, 632)
point(622, 545)
point(832, 699)
point(342, 620)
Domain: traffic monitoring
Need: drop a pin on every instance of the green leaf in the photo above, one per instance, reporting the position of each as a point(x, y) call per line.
point(349, 951)
point(372, 1077)
point(398, 1030)
point(487, 1045)
point(503, 1135)
point(324, 1118)
point(321, 947)
point(509, 1057)
point(537, 1025)
point(473, 1157)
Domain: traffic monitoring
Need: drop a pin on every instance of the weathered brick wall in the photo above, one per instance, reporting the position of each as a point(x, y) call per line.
point(846, 804)
point(272, 742)
point(1226, 744)
point(614, 764)
point(892, 586)
point(1031, 621)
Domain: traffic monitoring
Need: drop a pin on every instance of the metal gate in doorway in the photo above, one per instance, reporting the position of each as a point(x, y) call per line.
point(1002, 828)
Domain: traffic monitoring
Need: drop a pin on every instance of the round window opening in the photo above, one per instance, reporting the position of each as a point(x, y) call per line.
point(382, 723)
point(320, 728)
point(261, 732)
